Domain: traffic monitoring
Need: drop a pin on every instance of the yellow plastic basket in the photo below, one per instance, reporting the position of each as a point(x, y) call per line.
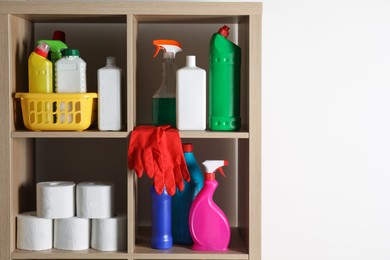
point(59, 112)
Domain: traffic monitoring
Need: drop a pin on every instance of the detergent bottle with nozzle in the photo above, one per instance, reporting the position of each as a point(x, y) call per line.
point(164, 100)
point(224, 83)
point(209, 226)
point(182, 200)
point(40, 70)
point(57, 45)
point(56, 48)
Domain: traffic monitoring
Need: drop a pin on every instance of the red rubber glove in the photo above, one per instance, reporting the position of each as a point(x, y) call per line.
point(175, 167)
point(144, 151)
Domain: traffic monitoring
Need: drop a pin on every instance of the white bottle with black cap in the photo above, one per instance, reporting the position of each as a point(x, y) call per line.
point(109, 97)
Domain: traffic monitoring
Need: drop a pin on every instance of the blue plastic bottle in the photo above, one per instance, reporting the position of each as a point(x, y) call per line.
point(182, 201)
point(161, 220)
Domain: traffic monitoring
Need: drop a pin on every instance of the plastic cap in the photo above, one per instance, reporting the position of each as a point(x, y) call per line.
point(70, 52)
point(188, 148)
point(191, 61)
point(42, 49)
point(169, 46)
point(224, 31)
point(59, 35)
point(211, 166)
point(110, 61)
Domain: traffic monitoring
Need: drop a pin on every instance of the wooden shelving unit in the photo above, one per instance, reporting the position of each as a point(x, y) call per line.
point(23, 151)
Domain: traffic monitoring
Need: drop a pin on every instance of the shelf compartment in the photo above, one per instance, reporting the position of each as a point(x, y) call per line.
point(227, 197)
point(194, 34)
point(143, 250)
point(62, 254)
point(63, 159)
point(96, 37)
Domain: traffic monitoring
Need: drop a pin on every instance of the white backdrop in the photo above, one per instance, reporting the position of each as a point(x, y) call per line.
point(326, 130)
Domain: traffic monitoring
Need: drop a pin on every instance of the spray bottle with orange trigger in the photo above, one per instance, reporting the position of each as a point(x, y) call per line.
point(164, 100)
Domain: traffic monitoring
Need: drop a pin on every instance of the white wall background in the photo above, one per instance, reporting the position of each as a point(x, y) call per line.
point(326, 130)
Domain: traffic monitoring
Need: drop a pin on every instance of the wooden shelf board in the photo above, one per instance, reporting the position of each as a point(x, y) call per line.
point(69, 134)
point(63, 254)
point(120, 134)
point(213, 134)
point(142, 250)
point(123, 8)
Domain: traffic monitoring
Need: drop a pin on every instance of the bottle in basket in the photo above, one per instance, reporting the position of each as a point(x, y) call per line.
point(40, 75)
point(71, 73)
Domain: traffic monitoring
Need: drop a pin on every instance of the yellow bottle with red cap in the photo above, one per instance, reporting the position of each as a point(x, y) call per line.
point(40, 70)
point(164, 100)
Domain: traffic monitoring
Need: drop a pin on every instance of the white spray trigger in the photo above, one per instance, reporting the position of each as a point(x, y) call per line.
point(169, 46)
point(215, 165)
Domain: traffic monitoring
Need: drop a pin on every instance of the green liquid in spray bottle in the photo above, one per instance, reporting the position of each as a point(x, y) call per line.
point(164, 100)
point(164, 111)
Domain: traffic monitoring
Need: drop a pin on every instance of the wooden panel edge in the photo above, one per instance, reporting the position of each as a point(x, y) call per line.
point(144, 8)
point(5, 139)
point(255, 137)
point(131, 54)
point(132, 32)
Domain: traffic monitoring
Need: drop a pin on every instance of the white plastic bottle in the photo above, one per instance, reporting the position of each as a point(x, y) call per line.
point(109, 96)
point(191, 96)
point(71, 73)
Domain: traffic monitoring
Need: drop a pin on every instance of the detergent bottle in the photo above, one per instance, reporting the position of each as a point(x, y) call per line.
point(59, 35)
point(71, 73)
point(164, 100)
point(191, 96)
point(40, 70)
point(182, 200)
point(56, 48)
point(224, 83)
point(161, 237)
point(209, 226)
point(109, 101)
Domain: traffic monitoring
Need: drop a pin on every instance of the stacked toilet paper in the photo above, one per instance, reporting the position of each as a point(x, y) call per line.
point(73, 217)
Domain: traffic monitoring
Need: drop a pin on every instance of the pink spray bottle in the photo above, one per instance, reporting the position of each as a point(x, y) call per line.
point(209, 226)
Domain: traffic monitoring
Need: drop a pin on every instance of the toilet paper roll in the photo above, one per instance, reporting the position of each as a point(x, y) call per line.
point(34, 233)
point(72, 233)
point(56, 199)
point(109, 234)
point(95, 199)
